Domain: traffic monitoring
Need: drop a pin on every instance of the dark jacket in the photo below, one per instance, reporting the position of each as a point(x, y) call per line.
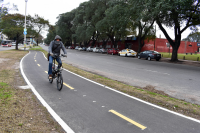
point(58, 45)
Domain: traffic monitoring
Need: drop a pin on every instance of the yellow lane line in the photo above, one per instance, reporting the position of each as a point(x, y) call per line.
point(64, 83)
point(68, 86)
point(127, 119)
point(35, 60)
point(38, 64)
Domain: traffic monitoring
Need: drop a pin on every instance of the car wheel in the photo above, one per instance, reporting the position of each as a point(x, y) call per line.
point(138, 57)
point(149, 58)
point(157, 59)
point(125, 55)
point(119, 54)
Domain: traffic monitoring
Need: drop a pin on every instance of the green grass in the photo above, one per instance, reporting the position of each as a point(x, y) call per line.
point(5, 94)
point(192, 57)
point(36, 48)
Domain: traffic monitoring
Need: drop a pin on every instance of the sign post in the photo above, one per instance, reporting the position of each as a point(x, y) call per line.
point(25, 30)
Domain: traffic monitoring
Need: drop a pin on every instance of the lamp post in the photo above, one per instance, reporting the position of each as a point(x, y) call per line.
point(25, 26)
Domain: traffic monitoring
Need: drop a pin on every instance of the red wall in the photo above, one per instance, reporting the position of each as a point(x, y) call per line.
point(160, 45)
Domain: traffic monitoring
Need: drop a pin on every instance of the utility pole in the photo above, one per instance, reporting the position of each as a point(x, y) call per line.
point(25, 30)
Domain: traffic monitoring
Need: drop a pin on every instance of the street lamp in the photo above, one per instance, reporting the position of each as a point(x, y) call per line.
point(25, 30)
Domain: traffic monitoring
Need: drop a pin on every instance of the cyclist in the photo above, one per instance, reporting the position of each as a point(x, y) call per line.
point(54, 49)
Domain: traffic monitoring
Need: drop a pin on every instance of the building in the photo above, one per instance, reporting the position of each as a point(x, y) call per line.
point(160, 45)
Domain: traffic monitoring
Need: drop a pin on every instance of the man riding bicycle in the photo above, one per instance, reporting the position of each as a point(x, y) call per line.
point(54, 49)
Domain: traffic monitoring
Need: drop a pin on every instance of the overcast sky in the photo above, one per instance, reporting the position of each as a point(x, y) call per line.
point(50, 9)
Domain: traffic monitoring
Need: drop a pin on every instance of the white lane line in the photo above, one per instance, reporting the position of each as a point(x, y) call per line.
point(156, 72)
point(94, 101)
point(51, 111)
point(153, 105)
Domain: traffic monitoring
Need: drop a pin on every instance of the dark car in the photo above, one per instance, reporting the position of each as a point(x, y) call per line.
point(149, 55)
point(84, 49)
point(103, 50)
point(113, 51)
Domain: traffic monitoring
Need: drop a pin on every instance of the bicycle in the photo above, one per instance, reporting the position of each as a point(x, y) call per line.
point(57, 73)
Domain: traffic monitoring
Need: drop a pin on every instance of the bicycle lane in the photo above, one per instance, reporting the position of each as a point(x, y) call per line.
point(91, 108)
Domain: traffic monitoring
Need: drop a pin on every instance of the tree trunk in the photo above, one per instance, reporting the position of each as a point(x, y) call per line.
point(174, 54)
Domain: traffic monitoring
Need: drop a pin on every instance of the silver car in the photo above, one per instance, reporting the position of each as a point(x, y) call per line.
point(96, 49)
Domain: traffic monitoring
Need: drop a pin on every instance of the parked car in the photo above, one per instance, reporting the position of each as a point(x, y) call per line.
point(84, 48)
point(96, 49)
point(13, 43)
point(149, 55)
point(89, 49)
point(103, 50)
point(77, 47)
point(70, 47)
point(127, 52)
point(80, 49)
point(112, 51)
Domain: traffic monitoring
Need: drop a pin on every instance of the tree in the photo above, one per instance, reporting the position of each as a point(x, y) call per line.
point(179, 14)
point(39, 24)
point(12, 25)
point(51, 34)
point(140, 20)
point(193, 37)
point(64, 27)
point(5, 8)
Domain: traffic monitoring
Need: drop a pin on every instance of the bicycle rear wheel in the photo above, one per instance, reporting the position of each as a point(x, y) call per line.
point(59, 82)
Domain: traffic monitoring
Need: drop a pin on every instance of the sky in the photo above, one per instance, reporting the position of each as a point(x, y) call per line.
point(50, 9)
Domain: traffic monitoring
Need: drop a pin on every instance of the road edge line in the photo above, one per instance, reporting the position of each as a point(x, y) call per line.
point(44, 103)
point(135, 98)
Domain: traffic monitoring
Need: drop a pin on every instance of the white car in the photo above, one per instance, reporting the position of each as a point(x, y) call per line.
point(13, 44)
point(77, 47)
point(96, 49)
point(80, 49)
point(127, 52)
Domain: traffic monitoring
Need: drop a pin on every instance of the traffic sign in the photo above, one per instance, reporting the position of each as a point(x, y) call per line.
point(25, 29)
point(25, 32)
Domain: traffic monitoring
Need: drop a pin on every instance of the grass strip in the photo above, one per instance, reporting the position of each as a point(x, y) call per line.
point(148, 93)
point(193, 57)
point(20, 111)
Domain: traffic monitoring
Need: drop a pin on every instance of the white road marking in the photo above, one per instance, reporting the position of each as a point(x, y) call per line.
point(51, 111)
point(156, 72)
point(153, 105)
point(25, 87)
point(94, 101)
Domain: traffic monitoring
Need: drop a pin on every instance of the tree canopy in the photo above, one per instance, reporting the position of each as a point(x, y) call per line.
point(97, 20)
point(12, 25)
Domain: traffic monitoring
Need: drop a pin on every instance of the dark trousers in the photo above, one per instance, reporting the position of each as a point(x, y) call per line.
point(51, 63)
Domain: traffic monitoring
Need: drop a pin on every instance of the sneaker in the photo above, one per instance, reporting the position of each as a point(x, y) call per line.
point(50, 76)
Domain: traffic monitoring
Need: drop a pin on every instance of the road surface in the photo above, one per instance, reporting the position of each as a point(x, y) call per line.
point(90, 108)
point(180, 81)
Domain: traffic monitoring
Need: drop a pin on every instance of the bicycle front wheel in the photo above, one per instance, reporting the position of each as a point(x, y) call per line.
point(59, 82)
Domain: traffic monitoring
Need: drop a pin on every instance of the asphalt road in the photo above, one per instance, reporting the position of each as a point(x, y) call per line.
point(8, 48)
point(180, 81)
point(91, 108)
